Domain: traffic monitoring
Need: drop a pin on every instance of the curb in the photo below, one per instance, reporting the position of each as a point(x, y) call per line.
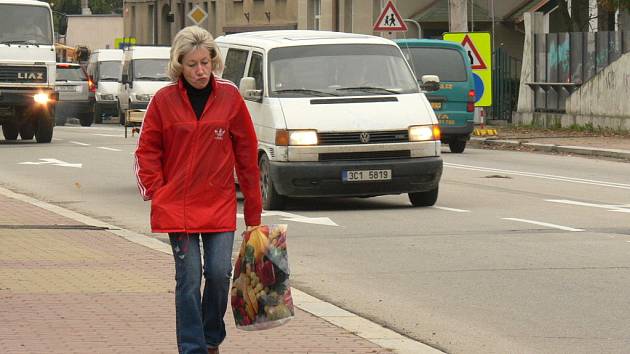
point(337, 316)
point(568, 149)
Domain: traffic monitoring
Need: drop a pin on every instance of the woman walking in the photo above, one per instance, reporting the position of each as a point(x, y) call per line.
point(195, 133)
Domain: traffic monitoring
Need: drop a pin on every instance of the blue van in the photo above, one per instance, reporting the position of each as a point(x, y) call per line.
point(454, 102)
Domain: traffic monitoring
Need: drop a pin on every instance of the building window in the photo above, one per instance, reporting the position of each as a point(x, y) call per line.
point(317, 13)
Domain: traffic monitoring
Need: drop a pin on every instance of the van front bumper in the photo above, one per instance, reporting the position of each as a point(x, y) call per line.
point(324, 179)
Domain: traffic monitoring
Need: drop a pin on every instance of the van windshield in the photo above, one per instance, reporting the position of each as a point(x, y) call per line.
point(446, 63)
point(150, 69)
point(25, 24)
point(110, 71)
point(339, 70)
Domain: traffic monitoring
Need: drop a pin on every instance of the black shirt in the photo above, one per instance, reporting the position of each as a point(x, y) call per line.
point(198, 97)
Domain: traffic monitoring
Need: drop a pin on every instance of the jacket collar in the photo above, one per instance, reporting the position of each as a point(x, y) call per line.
point(182, 87)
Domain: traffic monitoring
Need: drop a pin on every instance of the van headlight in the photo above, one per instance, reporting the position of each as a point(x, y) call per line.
point(424, 132)
point(143, 98)
point(296, 137)
point(107, 97)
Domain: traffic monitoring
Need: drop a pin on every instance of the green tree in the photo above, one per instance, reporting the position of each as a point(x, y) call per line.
point(577, 19)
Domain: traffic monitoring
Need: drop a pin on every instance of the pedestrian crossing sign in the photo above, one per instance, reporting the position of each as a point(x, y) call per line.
point(390, 20)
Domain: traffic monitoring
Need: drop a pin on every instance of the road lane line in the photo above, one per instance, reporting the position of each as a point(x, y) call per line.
point(108, 135)
point(560, 227)
point(108, 148)
point(540, 175)
point(78, 143)
point(452, 209)
point(610, 207)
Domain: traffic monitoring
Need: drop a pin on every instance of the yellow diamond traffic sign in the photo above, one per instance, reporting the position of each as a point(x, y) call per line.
point(197, 15)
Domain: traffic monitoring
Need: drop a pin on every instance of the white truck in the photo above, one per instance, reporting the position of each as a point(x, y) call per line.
point(27, 70)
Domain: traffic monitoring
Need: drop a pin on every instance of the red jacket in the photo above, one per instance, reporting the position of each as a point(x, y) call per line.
point(185, 166)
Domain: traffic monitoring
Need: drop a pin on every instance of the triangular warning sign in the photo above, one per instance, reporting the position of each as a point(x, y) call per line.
point(476, 62)
point(390, 20)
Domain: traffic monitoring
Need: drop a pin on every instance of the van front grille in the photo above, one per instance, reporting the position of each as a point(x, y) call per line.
point(365, 155)
point(351, 138)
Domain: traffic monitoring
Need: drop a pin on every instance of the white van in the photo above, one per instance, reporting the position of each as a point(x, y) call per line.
point(144, 72)
point(104, 69)
point(336, 114)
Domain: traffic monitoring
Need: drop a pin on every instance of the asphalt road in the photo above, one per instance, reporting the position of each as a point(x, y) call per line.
point(522, 253)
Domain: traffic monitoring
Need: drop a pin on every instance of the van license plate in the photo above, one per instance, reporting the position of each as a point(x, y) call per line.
point(366, 175)
point(436, 105)
point(66, 88)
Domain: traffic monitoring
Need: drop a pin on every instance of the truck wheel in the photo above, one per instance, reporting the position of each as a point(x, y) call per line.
point(27, 130)
point(44, 128)
point(420, 199)
point(98, 118)
point(60, 120)
point(86, 120)
point(271, 200)
point(10, 130)
point(457, 146)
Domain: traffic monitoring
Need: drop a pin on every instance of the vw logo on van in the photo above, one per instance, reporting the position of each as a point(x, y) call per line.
point(364, 137)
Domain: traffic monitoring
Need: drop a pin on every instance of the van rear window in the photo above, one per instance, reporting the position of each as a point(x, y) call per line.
point(446, 63)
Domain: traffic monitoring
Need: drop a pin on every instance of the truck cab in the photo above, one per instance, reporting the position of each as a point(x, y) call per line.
point(27, 70)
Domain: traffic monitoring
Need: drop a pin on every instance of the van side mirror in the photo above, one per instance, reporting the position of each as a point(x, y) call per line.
point(63, 25)
point(430, 82)
point(248, 90)
point(124, 79)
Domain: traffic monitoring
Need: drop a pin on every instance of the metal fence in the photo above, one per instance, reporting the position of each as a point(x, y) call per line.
point(506, 77)
point(564, 61)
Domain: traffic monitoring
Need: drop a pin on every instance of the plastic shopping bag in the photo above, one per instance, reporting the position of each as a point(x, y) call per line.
point(260, 293)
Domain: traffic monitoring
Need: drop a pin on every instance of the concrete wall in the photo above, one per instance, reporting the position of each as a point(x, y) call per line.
point(94, 31)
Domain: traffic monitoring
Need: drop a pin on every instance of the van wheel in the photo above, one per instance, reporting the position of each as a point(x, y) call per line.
point(457, 146)
point(420, 199)
point(86, 120)
point(271, 200)
point(10, 130)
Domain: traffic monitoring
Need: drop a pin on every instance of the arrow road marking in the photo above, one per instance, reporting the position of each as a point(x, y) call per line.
point(297, 218)
point(53, 162)
point(610, 207)
point(565, 228)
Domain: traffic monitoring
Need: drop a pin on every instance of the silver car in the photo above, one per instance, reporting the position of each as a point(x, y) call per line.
point(72, 86)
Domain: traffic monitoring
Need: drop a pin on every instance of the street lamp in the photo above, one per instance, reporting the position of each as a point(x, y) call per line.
point(417, 25)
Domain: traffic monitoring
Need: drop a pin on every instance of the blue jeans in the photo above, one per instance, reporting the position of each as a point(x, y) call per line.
point(200, 320)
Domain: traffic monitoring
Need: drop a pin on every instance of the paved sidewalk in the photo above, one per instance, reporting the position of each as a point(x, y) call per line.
point(69, 288)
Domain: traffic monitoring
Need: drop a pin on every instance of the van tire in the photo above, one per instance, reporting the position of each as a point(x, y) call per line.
point(271, 200)
point(98, 117)
point(86, 120)
point(10, 130)
point(423, 199)
point(457, 146)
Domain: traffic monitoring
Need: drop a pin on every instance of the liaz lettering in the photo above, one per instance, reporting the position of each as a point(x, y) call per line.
point(30, 76)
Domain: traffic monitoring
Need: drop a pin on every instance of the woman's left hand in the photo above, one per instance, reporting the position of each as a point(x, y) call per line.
point(250, 228)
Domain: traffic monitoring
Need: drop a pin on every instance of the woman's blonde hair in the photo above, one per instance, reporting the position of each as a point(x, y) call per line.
point(185, 41)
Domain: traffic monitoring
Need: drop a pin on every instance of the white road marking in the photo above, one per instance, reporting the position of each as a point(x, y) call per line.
point(114, 135)
point(452, 209)
point(108, 148)
point(565, 228)
point(610, 207)
point(297, 218)
point(540, 175)
point(53, 162)
point(79, 143)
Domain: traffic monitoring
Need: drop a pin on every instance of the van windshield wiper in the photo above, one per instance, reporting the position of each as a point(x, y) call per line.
point(108, 78)
point(29, 42)
point(367, 89)
point(305, 91)
point(151, 78)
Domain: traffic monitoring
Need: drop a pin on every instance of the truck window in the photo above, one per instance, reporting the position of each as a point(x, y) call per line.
point(25, 24)
point(235, 61)
point(110, 70)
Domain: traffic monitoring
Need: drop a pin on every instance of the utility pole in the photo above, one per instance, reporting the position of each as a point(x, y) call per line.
point(458, 15)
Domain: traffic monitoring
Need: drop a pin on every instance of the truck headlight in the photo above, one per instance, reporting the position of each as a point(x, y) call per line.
point(144, 98)
point(424, 132)
point(41, 98)
point(296, 137)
